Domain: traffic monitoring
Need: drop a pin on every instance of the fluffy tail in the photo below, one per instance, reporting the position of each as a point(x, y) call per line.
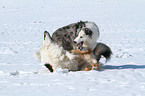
point(102, 49)
point(37, 56)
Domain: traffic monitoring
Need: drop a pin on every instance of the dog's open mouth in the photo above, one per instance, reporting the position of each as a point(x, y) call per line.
point(80, 45)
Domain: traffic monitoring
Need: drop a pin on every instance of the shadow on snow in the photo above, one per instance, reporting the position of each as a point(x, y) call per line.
point(125, 67)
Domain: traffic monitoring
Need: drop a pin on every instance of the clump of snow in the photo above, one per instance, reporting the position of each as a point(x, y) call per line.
point(60, 70)
point(14, 73)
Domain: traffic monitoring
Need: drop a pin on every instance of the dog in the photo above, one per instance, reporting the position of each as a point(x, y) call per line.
point(70, 35)
point(54, 56)
point(65, 36)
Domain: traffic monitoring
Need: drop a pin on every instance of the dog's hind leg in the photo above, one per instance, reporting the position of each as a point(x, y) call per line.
point(49, 67)
point(88, 68)
point(95, 65)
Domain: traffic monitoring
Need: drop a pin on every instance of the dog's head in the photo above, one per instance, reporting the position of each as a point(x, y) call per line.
point(84, 37)
point(47, 39)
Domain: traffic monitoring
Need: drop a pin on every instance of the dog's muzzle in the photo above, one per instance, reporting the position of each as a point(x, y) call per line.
point(79, 45)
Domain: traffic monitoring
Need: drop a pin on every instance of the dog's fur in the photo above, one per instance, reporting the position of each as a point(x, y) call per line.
point(102, 49)
point(89, 57)
point(55, 55)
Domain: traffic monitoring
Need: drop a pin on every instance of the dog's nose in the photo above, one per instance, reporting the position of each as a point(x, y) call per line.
point(75, 42)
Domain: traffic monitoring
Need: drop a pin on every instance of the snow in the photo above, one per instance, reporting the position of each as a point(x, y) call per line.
point(121, 24)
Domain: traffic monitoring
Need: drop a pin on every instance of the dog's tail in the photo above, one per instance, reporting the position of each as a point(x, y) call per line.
point(37, 56)
point(102, 49)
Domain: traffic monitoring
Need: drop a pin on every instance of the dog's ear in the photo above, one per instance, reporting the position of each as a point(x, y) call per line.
point(88, 31)
point(46, 34)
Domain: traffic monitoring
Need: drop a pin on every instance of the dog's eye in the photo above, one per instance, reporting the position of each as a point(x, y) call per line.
point(81, 37)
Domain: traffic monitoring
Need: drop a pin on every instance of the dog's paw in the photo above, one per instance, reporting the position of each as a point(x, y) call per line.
point(98, 66)
point(75, 56)
point(71, 56)
point(95, 66)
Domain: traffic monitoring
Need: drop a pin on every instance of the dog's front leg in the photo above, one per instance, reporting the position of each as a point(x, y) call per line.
point(80, 52)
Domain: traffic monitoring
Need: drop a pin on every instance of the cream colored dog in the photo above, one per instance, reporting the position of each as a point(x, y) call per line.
point(53, 54)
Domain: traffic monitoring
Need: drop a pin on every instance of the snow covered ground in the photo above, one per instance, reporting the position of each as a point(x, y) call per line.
point(122, 27)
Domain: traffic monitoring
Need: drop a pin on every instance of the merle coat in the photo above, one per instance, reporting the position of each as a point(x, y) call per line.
point(65, 36)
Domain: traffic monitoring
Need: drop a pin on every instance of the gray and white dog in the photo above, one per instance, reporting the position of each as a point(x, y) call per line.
point(66, 35)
